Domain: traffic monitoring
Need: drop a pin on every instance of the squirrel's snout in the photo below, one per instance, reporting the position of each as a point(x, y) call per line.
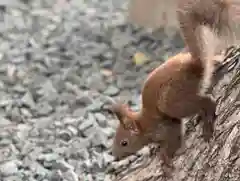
point(110, 152)
point(115, 158)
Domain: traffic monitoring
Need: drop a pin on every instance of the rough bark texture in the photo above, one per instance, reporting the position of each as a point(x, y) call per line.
point(200, 161)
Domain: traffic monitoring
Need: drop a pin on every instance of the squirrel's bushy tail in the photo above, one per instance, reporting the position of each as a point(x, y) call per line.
point(218, 31)
point(208, 27)
point(223, 16)
point(228, 29)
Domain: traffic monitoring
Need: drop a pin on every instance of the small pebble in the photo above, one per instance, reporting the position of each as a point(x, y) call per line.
point(62, 165)
point(101, 119)
point(111, 91)
point(48, 157)
point(27, 99)
point(9, 168)
point(73, 130)
point(65, 135)
point(70, 175)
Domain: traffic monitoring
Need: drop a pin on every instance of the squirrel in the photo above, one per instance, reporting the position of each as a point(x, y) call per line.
point(174, 89)
point(170, 93)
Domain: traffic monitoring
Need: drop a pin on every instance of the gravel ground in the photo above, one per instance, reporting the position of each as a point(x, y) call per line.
point(60, 64)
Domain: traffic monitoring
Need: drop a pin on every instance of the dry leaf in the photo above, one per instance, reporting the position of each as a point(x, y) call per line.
point(140, 58)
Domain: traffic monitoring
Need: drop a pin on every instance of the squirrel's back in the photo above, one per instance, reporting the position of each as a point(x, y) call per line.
point(175, 81)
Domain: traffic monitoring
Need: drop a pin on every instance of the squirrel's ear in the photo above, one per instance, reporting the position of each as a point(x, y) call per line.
point(120, 111)
point(134, 127)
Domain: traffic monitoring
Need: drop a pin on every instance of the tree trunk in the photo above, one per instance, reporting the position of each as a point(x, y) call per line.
point(217, 160)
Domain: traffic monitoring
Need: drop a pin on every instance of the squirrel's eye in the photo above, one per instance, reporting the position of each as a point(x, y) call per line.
point(124, 142)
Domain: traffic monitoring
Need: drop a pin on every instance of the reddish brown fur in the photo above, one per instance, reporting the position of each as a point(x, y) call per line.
point(194, 16)
point(172, 90)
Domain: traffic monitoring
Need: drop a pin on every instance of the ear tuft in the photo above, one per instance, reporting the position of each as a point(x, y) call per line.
point(120, 110)
point(134, 127)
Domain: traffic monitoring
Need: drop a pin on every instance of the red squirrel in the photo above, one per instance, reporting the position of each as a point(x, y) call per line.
point(170, 93)
point(174, 89)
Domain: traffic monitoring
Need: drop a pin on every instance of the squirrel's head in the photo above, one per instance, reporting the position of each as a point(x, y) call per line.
point(129, 136)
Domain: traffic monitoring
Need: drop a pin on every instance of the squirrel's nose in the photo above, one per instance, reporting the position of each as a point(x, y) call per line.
point(110, 152)
point(115, 158)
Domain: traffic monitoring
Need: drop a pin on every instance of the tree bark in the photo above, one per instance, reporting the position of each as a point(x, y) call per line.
point(217, 160)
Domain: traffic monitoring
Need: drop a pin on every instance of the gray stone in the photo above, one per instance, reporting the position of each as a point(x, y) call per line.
point(106, 64)
point(120, 40)
point(81, 152)
point(19, 88)
point(97, 165)
point(38, 169)
point(1, 85)
point(9, 168)
point(27, 99)
point(88, 130)
point(4, 121)
point(43, 108)
point(34, 154)
point(85, 61)
point(43, 122)
point(62, 110)
point(125, 95)
point(34, 133)
point(91, 118)
point(70, 175)
point(98, 139)
point(27, 147)
point(71, 120)
point(74, 163)
point(107, 159)
point(23, 130)
point(96, 106)
point(71, 87)
point(14, 114)
point(126, 83)
point(5, 142)
point(108, 131)
point(79, 112)
point(13, 178)
point(101, 119)
point(86, 165)
point(56, 175)
point(65, 135)
point(62, 165)
point(89, 177)
point(48, 157)
point(111, 91)
point(85, 125)
point(48, 89)
point(109, 55)
point(95, 82)
point(61, 150)
point(100, 176)
point(80, 144)
point(67, 98)
point(26, 112)
point(58, 124)
point(73, 130)
point(5, 100)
